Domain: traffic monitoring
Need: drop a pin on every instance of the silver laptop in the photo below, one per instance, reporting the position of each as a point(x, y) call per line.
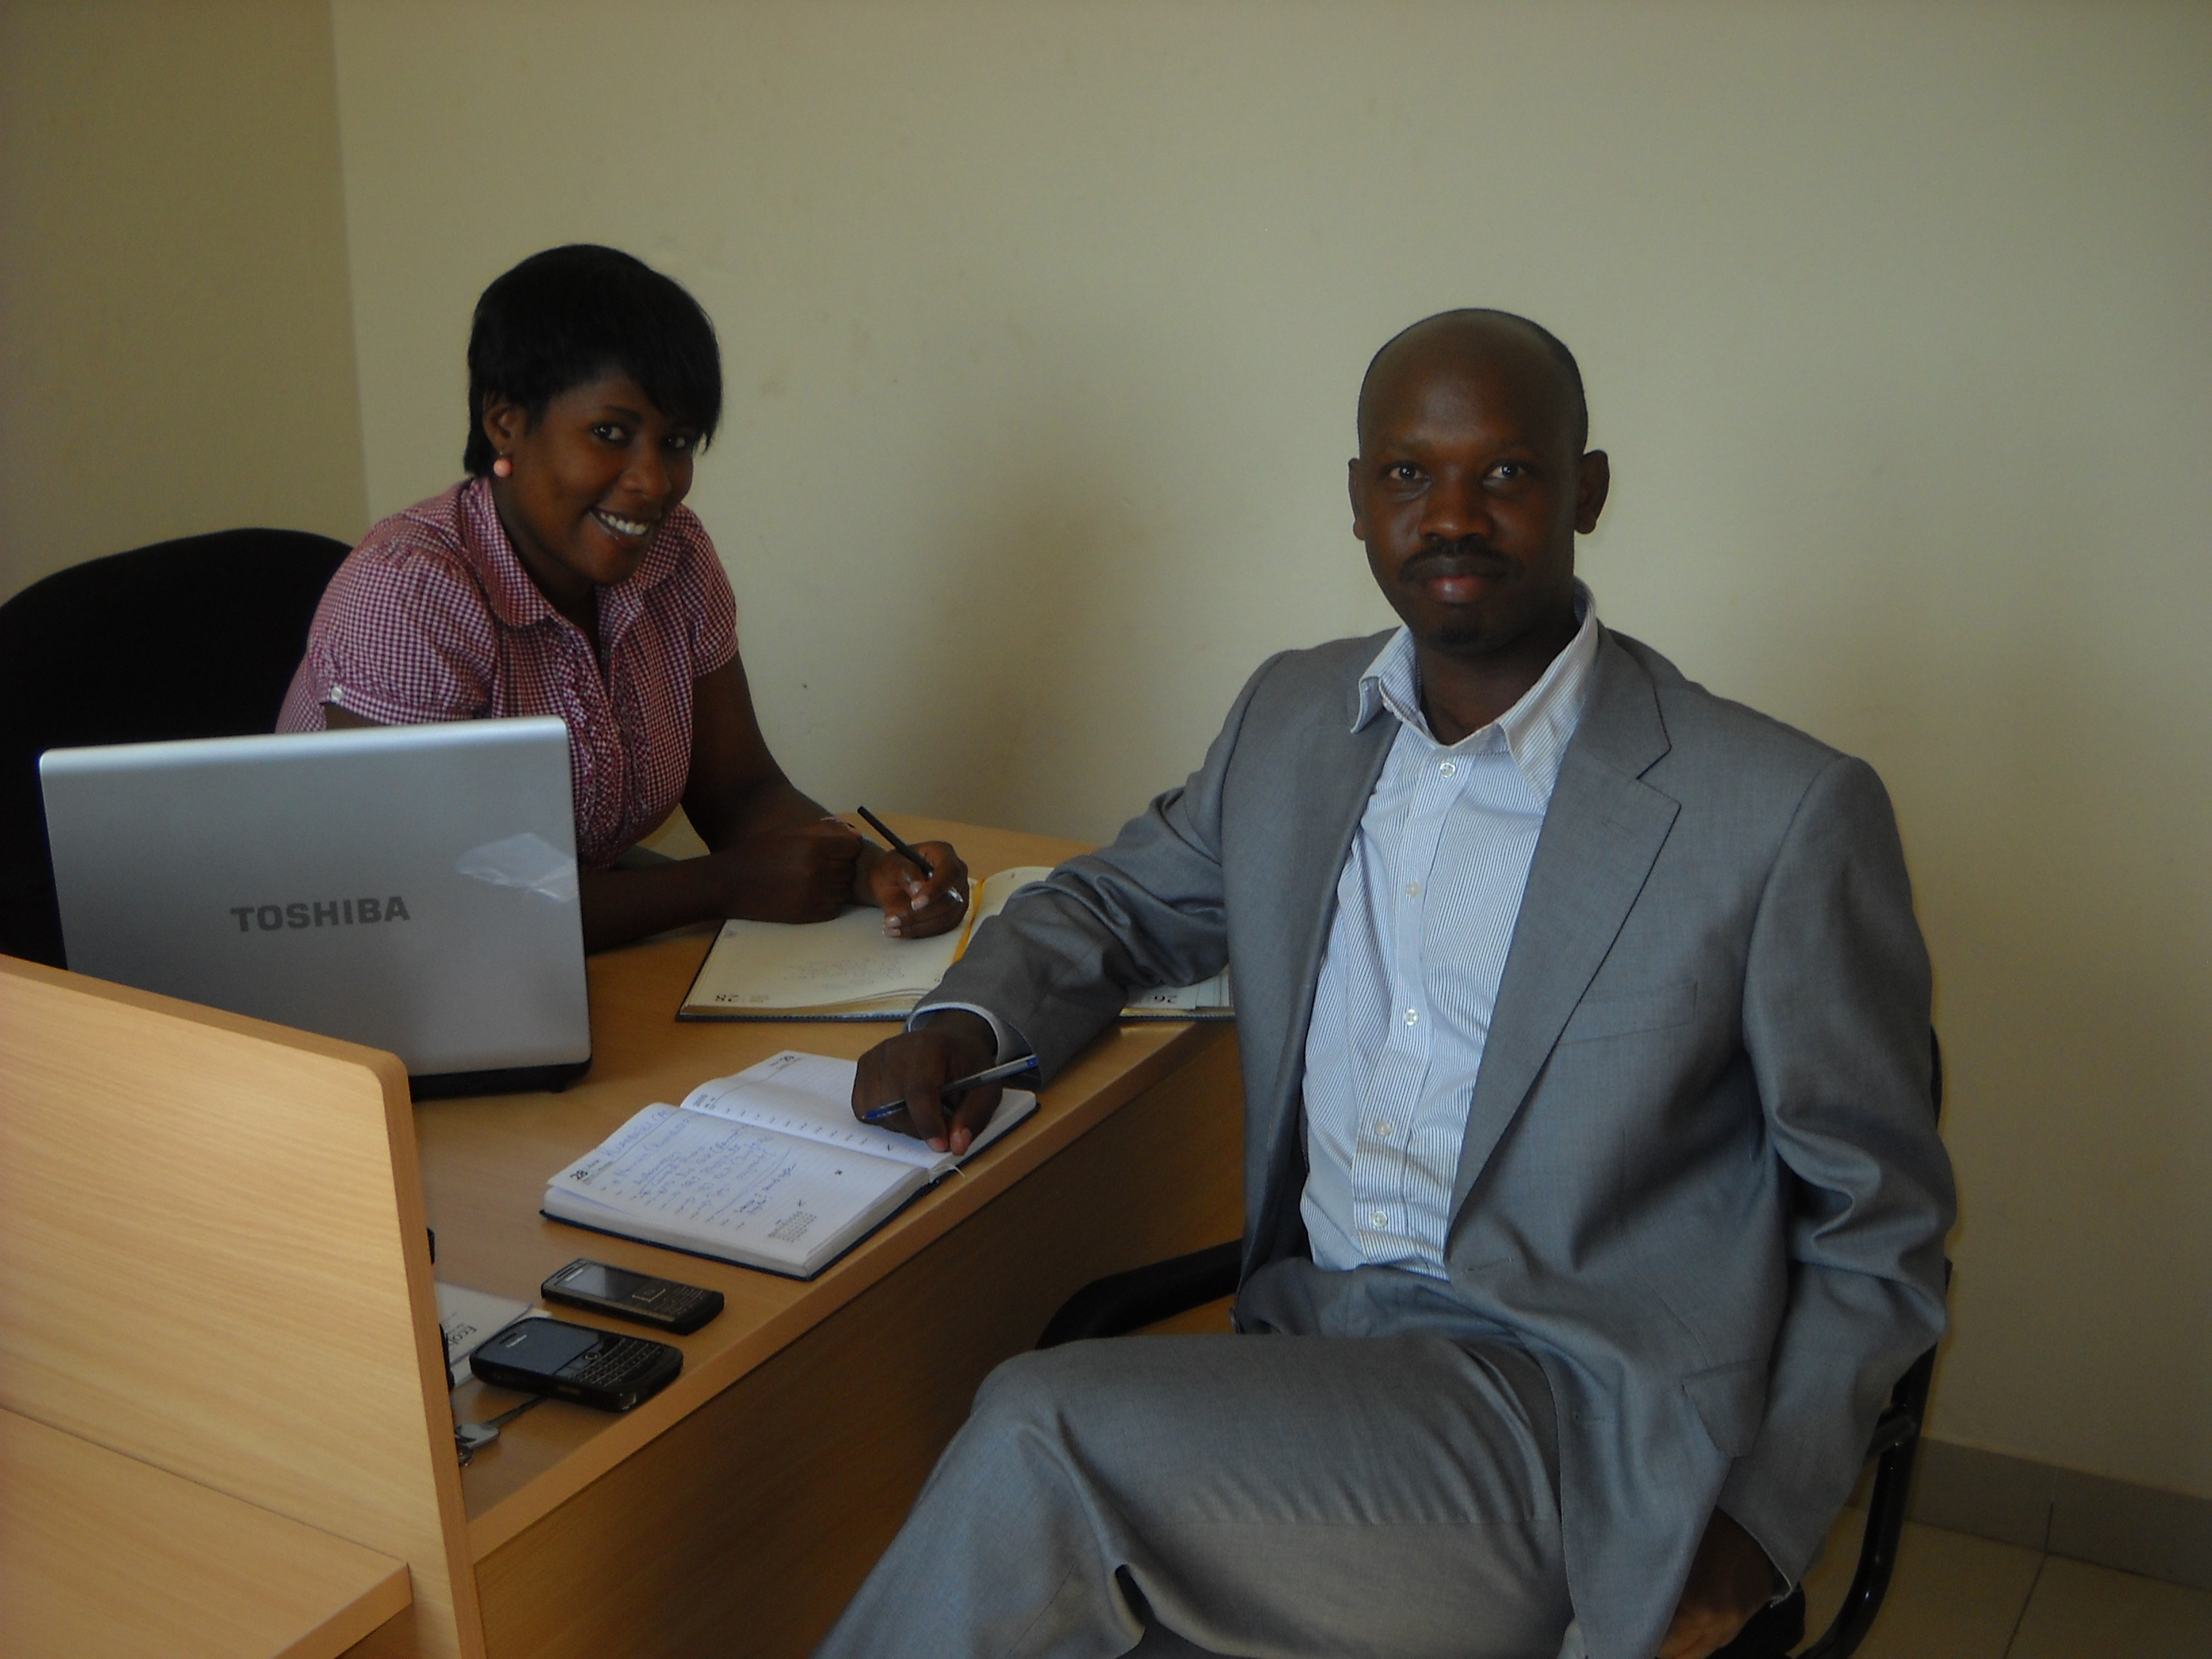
point(409, 887)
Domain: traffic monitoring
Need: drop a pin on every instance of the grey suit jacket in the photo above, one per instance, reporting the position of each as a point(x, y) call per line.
point(1700, 1179)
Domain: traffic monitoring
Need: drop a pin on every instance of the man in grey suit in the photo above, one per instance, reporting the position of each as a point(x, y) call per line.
point(1593, 1195)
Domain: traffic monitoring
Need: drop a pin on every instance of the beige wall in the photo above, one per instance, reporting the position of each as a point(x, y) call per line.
point(1043, 324)
point(176, 353)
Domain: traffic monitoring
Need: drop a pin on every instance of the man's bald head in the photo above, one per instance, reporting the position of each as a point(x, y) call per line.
point(1477, 335)
point(1471, 484)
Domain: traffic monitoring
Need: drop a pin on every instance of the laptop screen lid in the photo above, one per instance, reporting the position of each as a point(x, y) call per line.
point(409, 887)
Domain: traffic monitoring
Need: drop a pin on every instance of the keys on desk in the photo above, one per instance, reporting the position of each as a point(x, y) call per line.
point(472, 1437)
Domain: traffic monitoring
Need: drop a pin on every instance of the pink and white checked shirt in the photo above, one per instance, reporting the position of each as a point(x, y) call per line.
point(433, 618)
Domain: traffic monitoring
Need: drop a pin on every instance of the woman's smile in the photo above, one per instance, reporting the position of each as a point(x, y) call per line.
point(624, 529)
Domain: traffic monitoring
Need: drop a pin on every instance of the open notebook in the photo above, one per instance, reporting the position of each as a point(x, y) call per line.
point(850, 968)
point(768, 1168)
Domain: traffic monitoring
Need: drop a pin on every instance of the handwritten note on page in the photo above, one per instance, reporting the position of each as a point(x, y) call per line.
point(768, 1168)
point(705, 1184)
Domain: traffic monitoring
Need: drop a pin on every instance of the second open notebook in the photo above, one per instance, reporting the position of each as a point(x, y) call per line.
point(768, 1168)
point(849, 968)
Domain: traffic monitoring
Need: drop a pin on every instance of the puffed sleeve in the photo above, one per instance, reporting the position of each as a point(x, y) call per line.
point(402, 638)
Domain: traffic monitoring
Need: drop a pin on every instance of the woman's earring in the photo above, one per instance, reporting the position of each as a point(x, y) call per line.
point(503, 468)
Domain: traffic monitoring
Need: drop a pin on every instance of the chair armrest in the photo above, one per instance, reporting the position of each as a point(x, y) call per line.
point(1896, 1444)
point(1895, 1426)
point(1122, 1303)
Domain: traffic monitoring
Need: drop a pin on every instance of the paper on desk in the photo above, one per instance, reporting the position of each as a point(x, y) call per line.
point(1183, 999)
point(468, 1318)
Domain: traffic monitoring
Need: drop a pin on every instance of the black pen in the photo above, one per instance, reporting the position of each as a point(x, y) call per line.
point(959, 1085)
point(898, 846)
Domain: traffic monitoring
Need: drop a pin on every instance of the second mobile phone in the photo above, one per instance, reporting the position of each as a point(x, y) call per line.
point(663, 1304)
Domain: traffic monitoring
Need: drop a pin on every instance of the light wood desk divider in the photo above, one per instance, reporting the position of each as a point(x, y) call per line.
point(212, 1237)
point(103, 1557)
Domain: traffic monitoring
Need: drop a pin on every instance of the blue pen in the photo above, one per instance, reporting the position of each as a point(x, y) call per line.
point(958, 1086)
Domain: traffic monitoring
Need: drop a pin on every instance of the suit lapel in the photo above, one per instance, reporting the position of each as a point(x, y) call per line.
point(1336, 772)
point(1602, 835)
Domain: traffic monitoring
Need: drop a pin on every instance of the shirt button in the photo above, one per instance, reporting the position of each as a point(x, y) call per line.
point(1412, 889)
point(1413, 1017)
point(1382, 1132)
point(1450, 768)
point(1378, 1217)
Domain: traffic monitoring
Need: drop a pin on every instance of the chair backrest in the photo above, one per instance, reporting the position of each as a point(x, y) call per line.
point(195, 638)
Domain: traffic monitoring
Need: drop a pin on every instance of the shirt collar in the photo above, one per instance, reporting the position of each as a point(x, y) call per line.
point(1536, 730)
point(514, 598)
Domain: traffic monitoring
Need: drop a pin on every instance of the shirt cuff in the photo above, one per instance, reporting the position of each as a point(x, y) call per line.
point(1011, 1044)
point(379, 710)
point(1786, 1586)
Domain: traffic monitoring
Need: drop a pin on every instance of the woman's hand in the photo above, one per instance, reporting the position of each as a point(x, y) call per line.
point(798, 872)
point(915, 903)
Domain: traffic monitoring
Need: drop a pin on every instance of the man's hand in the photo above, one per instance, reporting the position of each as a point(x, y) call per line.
point(1730, 1579)
point(915, 903)
point(803, 872)
point(913, 1067)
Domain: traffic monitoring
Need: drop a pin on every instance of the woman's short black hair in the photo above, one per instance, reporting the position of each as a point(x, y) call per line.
point(570, 314)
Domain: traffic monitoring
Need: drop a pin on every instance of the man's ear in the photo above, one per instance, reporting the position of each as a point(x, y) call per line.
point(1352, 488)
point(1593, 482)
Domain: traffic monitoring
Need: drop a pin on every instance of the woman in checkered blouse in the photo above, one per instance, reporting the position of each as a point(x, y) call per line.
point(565, 576)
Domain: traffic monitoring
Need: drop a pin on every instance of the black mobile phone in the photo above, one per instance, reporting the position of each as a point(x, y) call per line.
point(575, 1362)
point(679, 1310)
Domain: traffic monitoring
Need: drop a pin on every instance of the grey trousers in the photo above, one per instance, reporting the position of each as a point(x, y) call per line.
point(1235, 1495)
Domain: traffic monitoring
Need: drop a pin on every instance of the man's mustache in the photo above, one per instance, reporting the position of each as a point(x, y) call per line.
point(1473, 553)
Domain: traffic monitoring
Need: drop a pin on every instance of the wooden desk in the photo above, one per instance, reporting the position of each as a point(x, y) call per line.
point(212, 1231)
point(736, 1511)
point(102, 1557)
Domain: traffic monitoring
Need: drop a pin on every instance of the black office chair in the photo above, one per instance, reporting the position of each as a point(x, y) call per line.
point(194, 638)
point(1122, 1303)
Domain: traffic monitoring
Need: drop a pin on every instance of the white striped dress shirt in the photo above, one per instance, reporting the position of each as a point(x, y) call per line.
point(1425, 912)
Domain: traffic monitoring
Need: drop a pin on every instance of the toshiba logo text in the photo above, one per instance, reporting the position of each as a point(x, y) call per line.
point(334, 912)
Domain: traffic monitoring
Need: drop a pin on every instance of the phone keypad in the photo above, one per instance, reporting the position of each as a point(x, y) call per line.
point(608, 1365)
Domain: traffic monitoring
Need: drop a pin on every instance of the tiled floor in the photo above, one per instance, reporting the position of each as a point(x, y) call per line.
point(1958, 1597)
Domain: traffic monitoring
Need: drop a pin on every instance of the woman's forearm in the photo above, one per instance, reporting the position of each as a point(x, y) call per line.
point(799, 869)
point(622, 905)
point(777, 804)
point(746, 810)
point(774, 804)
